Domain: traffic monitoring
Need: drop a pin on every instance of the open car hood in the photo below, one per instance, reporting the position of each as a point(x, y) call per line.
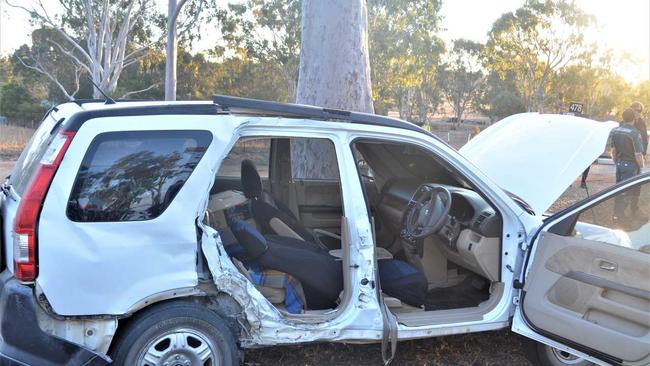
point(537, 156)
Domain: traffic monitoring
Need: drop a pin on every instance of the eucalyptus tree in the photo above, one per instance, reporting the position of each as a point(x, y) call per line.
point(405, 52)
point(183, 23)
point(535, 42)
point(98, 37)
point(462, 76)
point(334, 72)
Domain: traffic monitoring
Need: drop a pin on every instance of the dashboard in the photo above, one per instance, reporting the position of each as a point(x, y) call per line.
point(470, 236)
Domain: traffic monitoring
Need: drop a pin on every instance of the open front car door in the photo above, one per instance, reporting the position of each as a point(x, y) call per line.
point(586, 288)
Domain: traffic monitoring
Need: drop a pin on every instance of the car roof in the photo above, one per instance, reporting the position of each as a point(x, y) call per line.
point(86, 109)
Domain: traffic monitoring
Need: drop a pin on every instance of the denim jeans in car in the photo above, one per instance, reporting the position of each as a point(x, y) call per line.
point(630, 197)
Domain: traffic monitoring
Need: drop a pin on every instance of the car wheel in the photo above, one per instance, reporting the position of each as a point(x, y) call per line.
point(550, 356)
point(176, 334)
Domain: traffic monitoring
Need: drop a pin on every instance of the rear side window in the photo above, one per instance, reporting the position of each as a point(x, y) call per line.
point(134, 175)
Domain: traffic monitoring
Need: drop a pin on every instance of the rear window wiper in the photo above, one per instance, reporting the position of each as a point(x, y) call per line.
point(56, 125)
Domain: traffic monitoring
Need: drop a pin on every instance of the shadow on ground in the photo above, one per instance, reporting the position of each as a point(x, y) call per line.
point(478, 349)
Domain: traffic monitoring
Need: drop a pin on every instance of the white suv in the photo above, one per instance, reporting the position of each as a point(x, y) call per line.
point(154, 233)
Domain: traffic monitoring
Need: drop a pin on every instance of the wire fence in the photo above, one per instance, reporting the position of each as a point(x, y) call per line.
point(454, 138)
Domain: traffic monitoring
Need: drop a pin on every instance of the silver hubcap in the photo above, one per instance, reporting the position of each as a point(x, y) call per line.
point(181, 347)
point(565, 357)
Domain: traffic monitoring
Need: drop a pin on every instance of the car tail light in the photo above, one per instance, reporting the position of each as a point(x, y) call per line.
point(25, 225)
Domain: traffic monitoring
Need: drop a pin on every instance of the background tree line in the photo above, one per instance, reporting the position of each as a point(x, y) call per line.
point(535, 58)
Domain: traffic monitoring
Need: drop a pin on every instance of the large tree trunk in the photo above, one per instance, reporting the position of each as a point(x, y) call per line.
point(334, 73)
point(334, 62)
point(171, 52)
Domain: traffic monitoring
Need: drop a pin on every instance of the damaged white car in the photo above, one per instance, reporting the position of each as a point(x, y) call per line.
point(151, 233)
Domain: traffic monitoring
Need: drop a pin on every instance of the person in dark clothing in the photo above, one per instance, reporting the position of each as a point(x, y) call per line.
point(639, 124)
point(627, 155)
point(583, 180)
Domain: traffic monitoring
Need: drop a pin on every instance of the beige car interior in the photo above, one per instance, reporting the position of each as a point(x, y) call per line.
point(461, 263)
point(595, 292)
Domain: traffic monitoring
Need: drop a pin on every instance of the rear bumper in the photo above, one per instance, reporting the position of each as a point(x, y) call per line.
point(22, 342)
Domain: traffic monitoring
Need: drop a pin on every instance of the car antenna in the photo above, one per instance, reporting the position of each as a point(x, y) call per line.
point(109, 100)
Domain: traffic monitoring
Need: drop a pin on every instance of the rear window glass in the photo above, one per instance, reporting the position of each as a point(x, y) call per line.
point(135, 175)
point(32, 154)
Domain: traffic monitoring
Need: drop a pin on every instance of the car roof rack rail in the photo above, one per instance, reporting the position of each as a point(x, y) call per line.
point(239, 105)
point(83, 101)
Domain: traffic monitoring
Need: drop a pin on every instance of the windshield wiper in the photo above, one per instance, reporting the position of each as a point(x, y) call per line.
point(520, 201)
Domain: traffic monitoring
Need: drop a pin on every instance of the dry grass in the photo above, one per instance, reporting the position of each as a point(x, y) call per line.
point(13, 139)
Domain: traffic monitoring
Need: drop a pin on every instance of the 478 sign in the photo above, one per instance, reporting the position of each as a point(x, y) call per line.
point(575, 108)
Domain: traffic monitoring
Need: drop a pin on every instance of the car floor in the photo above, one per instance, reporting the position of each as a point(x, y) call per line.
point(468, 293)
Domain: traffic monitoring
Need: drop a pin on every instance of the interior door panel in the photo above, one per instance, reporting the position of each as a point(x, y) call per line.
point(319, 203)
point(592, 293)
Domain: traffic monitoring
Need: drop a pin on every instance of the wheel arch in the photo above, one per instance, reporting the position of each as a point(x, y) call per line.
point(221, 303)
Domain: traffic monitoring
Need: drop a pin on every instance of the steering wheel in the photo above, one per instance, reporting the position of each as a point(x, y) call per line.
point(426, 212)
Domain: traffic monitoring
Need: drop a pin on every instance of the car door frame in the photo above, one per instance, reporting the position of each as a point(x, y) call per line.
point(513, 235)
point(520, 323)
point(356, 317)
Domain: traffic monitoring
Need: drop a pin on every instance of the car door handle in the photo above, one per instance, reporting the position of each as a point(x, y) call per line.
point(607, 265)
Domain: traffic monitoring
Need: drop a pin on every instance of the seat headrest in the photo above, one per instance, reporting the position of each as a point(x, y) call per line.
point(249, 238)
point(250, 179)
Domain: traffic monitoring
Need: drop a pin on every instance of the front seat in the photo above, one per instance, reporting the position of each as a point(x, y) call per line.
point(271, 215)
point(320, 273)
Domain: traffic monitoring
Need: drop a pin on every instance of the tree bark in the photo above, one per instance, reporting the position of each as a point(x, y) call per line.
point(171, 51)
point(334, 63)
point(334, 73)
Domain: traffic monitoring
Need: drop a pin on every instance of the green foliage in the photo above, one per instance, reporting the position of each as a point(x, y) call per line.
point(46, 55)
point(603, 93)
point(500, 97)
point(405, 52)
point(73, 18)
point(461, 78)
point(533, 43)
point(535, 59)
point(17, 104)
point(268, 32)
point(6, 71)
point(199, 77)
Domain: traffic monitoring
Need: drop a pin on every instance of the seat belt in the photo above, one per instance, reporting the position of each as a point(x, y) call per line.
point(389, 332)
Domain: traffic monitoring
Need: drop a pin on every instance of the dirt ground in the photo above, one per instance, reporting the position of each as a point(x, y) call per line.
point(488, 348)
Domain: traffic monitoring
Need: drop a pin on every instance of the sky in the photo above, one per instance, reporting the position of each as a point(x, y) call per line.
point(622, 25)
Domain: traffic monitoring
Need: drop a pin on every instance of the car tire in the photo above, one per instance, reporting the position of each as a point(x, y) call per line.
point(176, 333)
point(542, 355)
